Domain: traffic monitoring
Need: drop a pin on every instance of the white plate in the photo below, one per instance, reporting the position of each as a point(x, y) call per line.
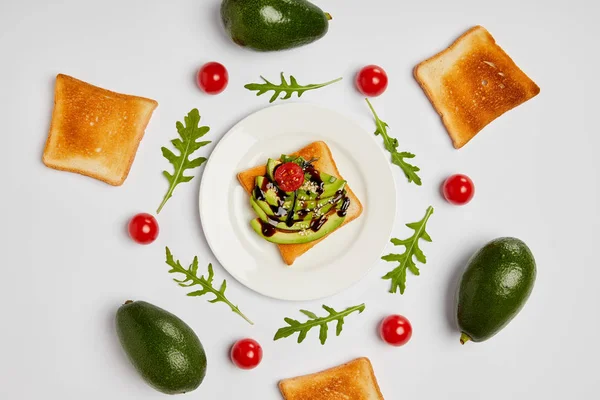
point(338, 261)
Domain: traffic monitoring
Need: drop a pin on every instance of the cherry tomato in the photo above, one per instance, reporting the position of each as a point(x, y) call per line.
point(212, 78)
point(371, 81)
point(143, 228)
point(458, 189)
point(289, 176)
point(395, 330)
point(246, 353)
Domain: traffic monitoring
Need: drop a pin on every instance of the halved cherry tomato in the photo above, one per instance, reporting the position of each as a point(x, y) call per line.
point(143, 228)
point(371, 81)
point(246, 353)
point(213, 78)
point(289, 176)
point(395, 330)
point(458, 189)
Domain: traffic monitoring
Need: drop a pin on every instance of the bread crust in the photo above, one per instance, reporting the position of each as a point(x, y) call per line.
point(78, 140)
point(325, 163)
point(354, 380)
point(471, 83)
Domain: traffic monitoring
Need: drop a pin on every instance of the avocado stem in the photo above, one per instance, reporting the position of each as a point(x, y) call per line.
point(464, 338)
point(328, 16)
point(129, 302)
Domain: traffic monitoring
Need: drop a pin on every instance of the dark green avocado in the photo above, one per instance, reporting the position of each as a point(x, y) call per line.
point(495, 286)
point(271, 25)
point(163, 348)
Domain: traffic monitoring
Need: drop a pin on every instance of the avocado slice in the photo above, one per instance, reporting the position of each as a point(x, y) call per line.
point(295, 226)
point(271, 25)
point(272, 195)
point(321, 203)
point(271, 164)
point(329, 187)
point(328, 224)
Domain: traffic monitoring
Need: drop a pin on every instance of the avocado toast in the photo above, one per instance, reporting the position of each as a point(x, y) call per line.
point(324, 164)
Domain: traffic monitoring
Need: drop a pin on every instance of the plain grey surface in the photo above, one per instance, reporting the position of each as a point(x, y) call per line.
point(67, 263)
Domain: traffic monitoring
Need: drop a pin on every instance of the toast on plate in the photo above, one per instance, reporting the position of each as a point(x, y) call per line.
point(324, 163)
point(95, 132)
point(472, 83)
point(352, 381)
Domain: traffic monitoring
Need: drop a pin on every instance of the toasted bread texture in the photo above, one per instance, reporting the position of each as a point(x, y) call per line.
point(352, 381)
point(95, 132)
point(324, 163)
point(472, 83)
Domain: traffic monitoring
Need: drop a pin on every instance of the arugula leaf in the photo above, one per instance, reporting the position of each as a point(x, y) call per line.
point(285, 87)
point(190, 133)
point(192, 279)
point(314, 320)
point(405, 260)
point(298, 160)
point(391, 145)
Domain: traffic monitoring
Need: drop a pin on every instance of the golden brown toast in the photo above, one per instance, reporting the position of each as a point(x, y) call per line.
point(325, 163)
point(472, 83)
point(95, 132)
point(352, 381)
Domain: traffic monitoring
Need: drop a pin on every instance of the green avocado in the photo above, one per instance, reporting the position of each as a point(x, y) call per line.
point(164, 350)
point(302, 212)
point(495, 286)
point(269, 233)
point(271, 25)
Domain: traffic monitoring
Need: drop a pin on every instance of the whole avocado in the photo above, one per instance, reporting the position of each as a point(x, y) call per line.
point(271, 25)
point(495, 286)
point(163, 348)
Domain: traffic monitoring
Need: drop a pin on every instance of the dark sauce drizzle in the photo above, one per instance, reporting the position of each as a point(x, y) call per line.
point(267, 229)
point(344, 208)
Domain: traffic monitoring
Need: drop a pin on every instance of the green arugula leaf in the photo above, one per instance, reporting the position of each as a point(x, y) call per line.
point(391, 145)
point(186, 145)
point(192, 279)
point(314, 320)
point(285, 87)
point(405, 260)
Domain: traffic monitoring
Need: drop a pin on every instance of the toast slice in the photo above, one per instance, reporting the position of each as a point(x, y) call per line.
point(472, 83)
point(352, 381)
point(95, 132)
point(325, 163)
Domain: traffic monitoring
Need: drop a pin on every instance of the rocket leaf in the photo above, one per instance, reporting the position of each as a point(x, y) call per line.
point(303, 327)
point(391, 145)
point(405, 260)
point(186, 144)
point(192, 279)
point(285, 87)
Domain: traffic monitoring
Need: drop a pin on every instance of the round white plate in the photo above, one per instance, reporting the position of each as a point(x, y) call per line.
point(337, 262)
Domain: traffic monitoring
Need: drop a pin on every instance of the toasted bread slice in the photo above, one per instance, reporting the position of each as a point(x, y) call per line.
point(472, 83)
point(95, 132)
point(352, 381)
point(325, 163)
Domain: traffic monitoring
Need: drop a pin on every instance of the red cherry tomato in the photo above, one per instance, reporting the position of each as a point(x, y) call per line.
point(458, 189)
point(143, 228)
point(213, 78)
point(246, 353)
point(289, 176)
point(371, 81)
point(395, 330)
